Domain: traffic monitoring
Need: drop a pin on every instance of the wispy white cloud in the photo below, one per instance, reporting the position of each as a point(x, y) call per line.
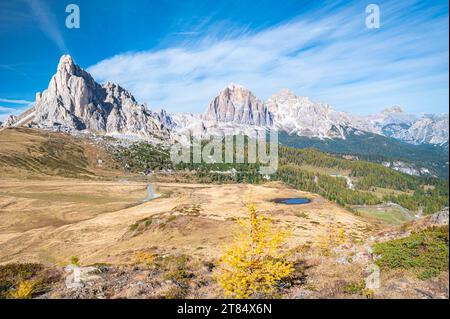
point(328, 55)
point(6, 109)
point(47, 22)
point(13, 101)
point(13, 107)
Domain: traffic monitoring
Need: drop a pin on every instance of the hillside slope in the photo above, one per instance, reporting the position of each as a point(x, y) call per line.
point(378, 149)
point(26, 153)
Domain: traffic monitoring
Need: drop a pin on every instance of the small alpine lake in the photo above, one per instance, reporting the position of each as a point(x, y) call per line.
point(293, 201)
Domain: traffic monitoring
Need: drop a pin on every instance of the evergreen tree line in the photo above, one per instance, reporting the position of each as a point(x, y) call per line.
point(428, 194)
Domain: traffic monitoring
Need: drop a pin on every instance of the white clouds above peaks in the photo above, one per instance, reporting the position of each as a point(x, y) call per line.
point(328, 55)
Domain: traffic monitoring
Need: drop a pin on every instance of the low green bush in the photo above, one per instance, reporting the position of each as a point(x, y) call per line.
point(425, 252)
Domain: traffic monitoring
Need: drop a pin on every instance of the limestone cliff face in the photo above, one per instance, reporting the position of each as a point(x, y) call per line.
point(72, 99)
point(235, 108)
point(300, 115)
point(75, 101)
point(238, 105)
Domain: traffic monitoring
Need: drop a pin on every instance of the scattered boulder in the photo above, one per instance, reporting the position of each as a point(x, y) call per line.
point(440, 218)
point(10, 121)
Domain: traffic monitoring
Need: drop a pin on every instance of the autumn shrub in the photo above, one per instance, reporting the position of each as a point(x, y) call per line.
point(145, 258)
point(74, 260)
point(20, 280)
point(25, 289)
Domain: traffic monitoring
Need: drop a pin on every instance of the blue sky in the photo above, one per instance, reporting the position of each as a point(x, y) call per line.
point(179, 54)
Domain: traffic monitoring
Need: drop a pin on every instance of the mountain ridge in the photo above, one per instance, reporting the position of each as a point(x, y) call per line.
point(75, 101)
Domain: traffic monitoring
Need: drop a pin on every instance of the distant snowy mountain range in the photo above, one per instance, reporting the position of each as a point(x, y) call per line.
point(236, 108)
point(74, 101)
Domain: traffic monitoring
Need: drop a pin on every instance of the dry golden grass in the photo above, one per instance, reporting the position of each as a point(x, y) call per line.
point(56, 202)
point(30, 204)
point(31, 153)
point(53, 220)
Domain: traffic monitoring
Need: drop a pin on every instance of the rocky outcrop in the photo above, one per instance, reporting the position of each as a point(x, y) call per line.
point(73, 100)
point(20, 120)
point(430, 129)
point(407, 168)
point(189, 124)
point(395, 123)
point(238, 105)
point(440, 218)
point(10, 121)
point(300, 115)
point(126, 116)
point(80, 277)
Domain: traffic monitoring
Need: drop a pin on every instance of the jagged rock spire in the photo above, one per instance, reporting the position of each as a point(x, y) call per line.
point(75, 100)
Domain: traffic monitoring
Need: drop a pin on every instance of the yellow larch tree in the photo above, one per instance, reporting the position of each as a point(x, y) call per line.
point(255, 262)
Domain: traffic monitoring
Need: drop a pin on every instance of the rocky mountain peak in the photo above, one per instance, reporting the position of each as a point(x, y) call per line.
point(392, 109)
point(284, 93)
point(393, 115)
point(235, 87)
point(287, 98)
point(75, 101)
point(67, 69)
point(66, 63)
point(301, 115)
point(237, 93)
point(237, 104)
